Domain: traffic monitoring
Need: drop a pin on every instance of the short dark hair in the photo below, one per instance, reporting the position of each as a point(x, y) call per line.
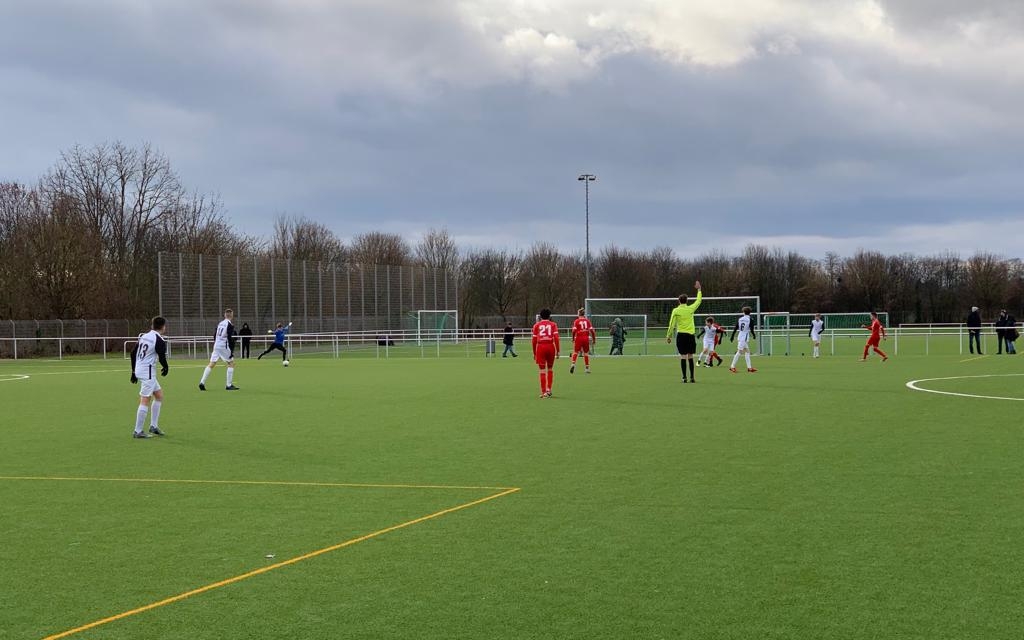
point(545, 314)
point(229, 312)
point(874, 314)
point(746, 311)
point(709, 319)
point(159, 323)
point(280, 324)
point(581, 312)
point(683, 298)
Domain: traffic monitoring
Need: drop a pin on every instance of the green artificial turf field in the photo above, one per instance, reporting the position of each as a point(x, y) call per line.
point(814, 499)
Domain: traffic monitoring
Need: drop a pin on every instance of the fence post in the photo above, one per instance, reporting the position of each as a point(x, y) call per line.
point(202, 315)
point(160, 281)
point(60, 341)
point(181, 297)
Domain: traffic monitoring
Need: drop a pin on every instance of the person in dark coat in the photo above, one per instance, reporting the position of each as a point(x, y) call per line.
point(1001, 331)
point(974, 330)
point(246, 334)
point(1011, 334)
point(509, 337)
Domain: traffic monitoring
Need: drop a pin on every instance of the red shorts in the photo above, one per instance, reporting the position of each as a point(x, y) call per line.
point(874, 341)
point(581, 345)
point(545, 355)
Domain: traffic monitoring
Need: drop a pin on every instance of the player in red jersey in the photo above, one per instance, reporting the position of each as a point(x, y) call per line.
point(877, 334)
point(545, 350)
point(583, 336)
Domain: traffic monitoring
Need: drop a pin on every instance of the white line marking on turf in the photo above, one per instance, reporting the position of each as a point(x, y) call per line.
point(9, 377)
point(973, 359)
point(913, 384)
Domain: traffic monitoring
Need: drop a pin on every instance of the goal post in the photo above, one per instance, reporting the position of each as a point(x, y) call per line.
point(437, 325)
point(635, 326)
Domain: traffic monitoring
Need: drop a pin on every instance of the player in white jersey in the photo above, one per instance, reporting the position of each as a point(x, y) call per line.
point(817, 327)
point(746, 331)
point(150, 349)
point(223, 349)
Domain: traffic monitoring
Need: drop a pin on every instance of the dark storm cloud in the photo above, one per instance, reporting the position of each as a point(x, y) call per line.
point(405, 116)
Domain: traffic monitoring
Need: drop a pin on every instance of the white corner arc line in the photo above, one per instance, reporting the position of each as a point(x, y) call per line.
point(10, 377)
point(913, 385)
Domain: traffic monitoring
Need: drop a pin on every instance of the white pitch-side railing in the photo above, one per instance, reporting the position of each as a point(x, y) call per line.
point(916, 339)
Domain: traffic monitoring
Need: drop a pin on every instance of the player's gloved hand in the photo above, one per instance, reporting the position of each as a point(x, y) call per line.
point(134, 379)
point(668, 340)
point(163, 371)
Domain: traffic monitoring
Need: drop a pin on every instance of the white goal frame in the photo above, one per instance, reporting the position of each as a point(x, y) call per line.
point(601, 328)
point(425, 331)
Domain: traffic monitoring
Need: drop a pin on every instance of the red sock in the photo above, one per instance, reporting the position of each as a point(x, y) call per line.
point(880, 352)
point(543, 381)
point(551, 378)
point(866, 352)
point(575, 355)
point(586, 359)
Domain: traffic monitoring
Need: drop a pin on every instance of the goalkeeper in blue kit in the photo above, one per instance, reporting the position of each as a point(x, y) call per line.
point(279, 335)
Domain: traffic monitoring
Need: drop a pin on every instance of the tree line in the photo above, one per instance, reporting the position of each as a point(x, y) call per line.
point(83, 242)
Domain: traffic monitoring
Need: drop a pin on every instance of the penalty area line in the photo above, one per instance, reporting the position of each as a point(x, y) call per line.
point(278, 565)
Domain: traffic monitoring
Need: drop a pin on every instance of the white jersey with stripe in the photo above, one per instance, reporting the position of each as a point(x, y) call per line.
point(221, 339)
point(146, 357)
point(817, 326)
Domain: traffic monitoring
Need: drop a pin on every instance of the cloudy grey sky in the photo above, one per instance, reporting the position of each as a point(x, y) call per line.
point(814, 125)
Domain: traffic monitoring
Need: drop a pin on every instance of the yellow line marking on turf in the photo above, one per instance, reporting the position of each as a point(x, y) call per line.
point(974, 358)
point(278, 565)
point(273, 483)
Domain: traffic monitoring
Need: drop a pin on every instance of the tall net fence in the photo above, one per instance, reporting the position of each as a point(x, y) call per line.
point(318, 297)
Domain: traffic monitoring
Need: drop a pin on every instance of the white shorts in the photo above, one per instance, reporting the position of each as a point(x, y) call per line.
point(709, 344)
point(815, 337)
point(221, 353)
point(148, 386)
point(744, 343)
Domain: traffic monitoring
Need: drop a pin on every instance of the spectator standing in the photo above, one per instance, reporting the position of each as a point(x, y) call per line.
point(618, 333)
point(510, 336)
point(246, 334)
point(1001, 331)
point(1011, 334)
point(974, 330)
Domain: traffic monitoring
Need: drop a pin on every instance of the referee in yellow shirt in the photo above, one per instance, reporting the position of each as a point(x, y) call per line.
point(682, 323)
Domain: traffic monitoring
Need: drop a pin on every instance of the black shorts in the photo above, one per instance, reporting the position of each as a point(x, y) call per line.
point(686, 344)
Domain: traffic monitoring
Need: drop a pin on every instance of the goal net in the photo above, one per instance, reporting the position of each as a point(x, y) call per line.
point(635, 326)
point(783, 333)
point(437, 326)
point(656, 312)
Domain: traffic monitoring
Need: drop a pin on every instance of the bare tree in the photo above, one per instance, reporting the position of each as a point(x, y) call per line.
point(304, 239)
point(377, 247)
point(438, 250)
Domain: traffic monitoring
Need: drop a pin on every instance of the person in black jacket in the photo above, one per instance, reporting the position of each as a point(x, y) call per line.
point(1011, 334)
point(509, 337)
point(974, 330)
point(1001, 331)
point(246, 334)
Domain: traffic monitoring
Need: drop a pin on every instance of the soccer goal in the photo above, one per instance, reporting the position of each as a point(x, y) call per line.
point(635, 326)
point(656, 312)
point(434, 325)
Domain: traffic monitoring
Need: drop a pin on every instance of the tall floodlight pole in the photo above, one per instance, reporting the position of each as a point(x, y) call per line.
point(586, 179)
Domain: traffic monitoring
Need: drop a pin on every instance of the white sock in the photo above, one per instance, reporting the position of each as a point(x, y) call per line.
point(747, 357)
point(816, 352)
point(231, 375)
point(140, 418)
point(735, 359)
point(206, 374)
point(154, 416)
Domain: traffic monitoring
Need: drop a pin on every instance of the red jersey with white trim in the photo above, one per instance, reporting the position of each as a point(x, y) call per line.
point(583, 329)
point(545, 332)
